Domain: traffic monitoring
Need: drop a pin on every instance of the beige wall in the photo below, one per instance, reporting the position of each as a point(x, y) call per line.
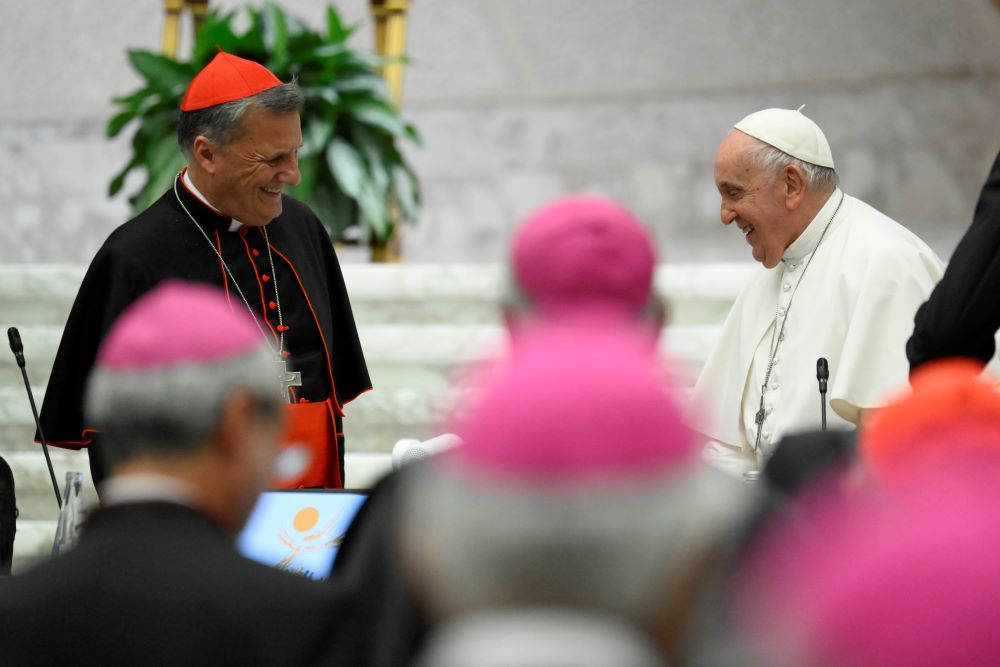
point(521, 100)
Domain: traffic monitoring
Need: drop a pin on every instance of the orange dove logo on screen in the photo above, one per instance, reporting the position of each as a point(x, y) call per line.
point(301, 540)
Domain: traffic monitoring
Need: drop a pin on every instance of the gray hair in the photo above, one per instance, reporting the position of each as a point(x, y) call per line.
point(515, 301)
point(223, 122)
point(772, 160)
point(615, 547)
point(174, 411)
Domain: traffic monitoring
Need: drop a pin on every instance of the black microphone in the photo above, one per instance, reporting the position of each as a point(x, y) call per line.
point(822, 374)
point(18, 349)
point(15, 345)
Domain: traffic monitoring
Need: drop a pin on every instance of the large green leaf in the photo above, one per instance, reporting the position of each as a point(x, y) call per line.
point(374, 210)
point(134, 100)
point(377, 114)
point(407, 191)
point(335, 30)
point(165, 160)
point(347, 166)
point(161, 73)
point(321, 93)
point(308, 168)
point(119, 180)
point(316, 133)
point(411, 133)
point(350, 160)
point(340, 56)
point(364, 82)
point(120, 120)
point(275, 29)
point(215, 33)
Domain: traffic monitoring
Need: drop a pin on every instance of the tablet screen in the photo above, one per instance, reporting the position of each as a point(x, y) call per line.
point(299, 530)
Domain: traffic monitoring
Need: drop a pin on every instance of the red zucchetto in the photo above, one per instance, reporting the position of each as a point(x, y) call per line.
point(226, 79)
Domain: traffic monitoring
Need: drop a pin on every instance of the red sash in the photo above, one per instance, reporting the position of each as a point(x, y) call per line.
point(311, 426)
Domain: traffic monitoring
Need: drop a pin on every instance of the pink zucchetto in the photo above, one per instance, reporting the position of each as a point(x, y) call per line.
point(865, 582)
point(584, 251)
point(575, 405)
point(177, 323)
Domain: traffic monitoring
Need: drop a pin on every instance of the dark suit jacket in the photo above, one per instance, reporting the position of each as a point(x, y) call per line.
point(963, 312)
point(392, 626)
point(160, 584)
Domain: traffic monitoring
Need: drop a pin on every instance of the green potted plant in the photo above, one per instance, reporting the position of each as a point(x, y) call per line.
point(353, 171)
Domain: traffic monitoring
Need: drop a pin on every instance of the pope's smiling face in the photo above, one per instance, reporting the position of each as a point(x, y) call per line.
point(246, 176)
point(754, 199)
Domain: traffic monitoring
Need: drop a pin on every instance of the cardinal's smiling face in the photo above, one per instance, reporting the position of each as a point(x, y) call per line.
point(247, 175)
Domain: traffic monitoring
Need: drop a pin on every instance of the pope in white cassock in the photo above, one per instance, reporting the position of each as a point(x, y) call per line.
point(839, 280)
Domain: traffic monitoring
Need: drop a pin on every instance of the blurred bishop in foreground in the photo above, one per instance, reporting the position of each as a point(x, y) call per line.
point(183, 392)
point(576, 524)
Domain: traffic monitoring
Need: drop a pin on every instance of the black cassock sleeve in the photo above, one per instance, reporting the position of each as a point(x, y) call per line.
point(111, 283)
point(963, 312)
point(347, 357)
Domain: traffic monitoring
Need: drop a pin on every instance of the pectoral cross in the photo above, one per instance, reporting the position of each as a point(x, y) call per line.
point(287, 379)
point(758, 418)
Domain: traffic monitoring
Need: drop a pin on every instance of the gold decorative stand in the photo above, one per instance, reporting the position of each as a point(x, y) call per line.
point(390, 43)
point(172, 10)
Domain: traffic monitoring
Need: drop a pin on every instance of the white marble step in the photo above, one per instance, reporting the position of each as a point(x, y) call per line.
point(418, 324)
point(385, 345)
point(417, 405)
point(412, 367)
point(393, 293)
point(32, 542)
point(33, 487)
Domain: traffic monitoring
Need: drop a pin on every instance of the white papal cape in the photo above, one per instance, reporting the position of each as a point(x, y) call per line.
point(854, 306)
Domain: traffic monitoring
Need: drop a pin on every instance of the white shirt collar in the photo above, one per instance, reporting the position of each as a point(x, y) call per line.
point(144, 488)
point(810, 236)
point(233, 226)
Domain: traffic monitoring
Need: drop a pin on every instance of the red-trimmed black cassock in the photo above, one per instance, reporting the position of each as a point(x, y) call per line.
point(321, 339)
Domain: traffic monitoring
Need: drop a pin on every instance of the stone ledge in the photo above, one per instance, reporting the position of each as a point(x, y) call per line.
point(412, 366)
point(32, 543)
point(35, 294)
point(32, 486)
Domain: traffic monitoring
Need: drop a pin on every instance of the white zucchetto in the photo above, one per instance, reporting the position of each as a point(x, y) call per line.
point(790, 131)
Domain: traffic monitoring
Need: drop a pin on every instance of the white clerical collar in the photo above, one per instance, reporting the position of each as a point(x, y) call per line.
point(810, 236)
point(130, 489)
point(233, 226)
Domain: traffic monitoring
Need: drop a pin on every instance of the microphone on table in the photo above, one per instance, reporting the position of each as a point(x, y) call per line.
point(409, 450)
point(822, 374)
point(18, 349)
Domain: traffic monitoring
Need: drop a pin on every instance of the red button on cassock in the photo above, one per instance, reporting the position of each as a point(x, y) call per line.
point(265, 277)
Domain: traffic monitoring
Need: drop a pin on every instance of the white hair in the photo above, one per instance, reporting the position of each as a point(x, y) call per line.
point(772, 160)
point(174, 410)
point(615, 547)
point(514, 300)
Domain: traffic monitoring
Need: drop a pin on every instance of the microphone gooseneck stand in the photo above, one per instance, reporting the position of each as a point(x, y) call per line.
point(18, 349)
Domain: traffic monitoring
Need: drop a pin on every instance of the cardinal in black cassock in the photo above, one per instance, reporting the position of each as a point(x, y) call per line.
point(226, 222)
